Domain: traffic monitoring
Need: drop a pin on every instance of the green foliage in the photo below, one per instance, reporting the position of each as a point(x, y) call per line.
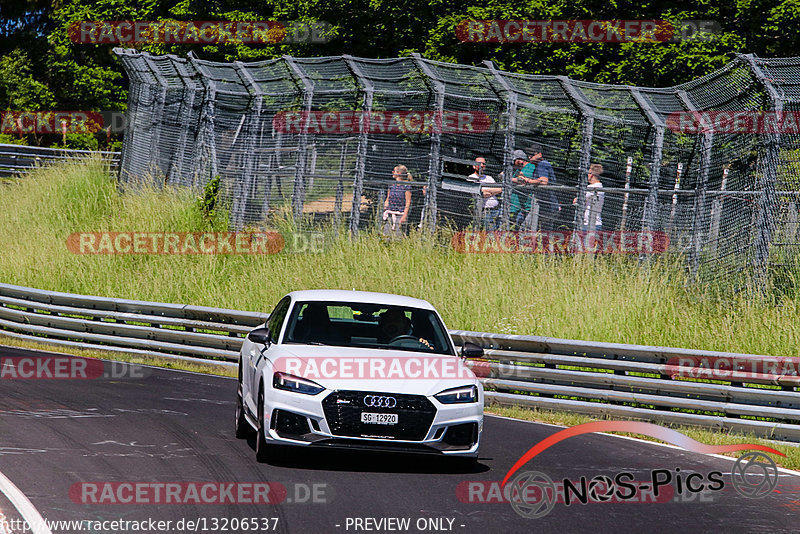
point(42, 67)
point(209, 207)
point(8, 139)
point(633, 305)
point(208, 201)
point(19, 90)
point(84, 141)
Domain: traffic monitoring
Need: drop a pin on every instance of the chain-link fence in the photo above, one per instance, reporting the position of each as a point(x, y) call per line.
point(317, 139)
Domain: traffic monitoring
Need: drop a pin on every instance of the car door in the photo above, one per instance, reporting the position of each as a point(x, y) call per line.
point(256, 363)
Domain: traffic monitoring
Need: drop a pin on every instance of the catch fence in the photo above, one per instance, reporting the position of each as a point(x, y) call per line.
point(315, 140)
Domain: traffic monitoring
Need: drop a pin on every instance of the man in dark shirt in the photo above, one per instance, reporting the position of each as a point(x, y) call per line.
point(543, 175)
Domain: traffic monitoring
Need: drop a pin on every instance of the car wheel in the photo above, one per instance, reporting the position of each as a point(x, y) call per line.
point(263, 450)
point(243, 428)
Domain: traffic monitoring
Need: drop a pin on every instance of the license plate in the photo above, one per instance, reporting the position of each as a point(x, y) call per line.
point(379, 418)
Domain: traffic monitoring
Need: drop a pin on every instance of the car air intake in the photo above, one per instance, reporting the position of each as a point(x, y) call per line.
point(289, 425)
point(464, 435)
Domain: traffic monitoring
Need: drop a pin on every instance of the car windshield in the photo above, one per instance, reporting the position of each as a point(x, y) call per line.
point(356, 324)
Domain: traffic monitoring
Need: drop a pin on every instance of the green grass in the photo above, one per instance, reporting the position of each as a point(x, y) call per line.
point(609, 299)
point(603, 299)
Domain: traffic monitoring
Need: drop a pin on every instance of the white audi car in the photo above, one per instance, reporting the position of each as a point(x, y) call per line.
point(359, 370)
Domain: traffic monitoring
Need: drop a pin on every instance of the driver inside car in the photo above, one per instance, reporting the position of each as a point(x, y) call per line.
point(396, 327)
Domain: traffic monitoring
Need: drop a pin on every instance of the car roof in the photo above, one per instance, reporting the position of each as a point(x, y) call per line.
point(340, 295)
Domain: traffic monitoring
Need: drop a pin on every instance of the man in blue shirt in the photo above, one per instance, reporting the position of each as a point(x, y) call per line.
point(539, 171)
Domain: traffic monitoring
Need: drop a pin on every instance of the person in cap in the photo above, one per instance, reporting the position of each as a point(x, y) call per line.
point(520, 200)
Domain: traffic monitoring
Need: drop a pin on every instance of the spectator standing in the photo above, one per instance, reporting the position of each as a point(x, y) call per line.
point(397, 203)
point(539, 171)
point(491, 206)
point(594, 198)
point(520, 200)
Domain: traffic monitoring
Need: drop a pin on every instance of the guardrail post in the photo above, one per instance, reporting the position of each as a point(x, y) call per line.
point(434, 166)
point(299, 191)
point(509, 141)
point(587, 122)
point(363, 143)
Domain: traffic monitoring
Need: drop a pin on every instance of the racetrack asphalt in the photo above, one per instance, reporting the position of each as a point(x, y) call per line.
point(166, 426)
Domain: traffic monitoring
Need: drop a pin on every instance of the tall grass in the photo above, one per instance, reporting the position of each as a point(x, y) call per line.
point(592, 298)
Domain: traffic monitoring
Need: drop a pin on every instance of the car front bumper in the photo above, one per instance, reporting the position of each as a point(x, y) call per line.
point(332, 419)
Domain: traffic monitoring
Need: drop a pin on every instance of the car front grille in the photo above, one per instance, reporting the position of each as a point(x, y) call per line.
point(343, 410)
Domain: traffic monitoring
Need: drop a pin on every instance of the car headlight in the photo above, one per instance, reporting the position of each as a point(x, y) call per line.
point(296, 384)
point(458, 395)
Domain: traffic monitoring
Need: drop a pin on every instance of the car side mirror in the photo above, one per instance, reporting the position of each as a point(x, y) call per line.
point(471, 350)
point(259, 335)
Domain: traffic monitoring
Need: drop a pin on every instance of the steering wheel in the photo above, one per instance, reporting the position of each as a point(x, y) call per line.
point(406, 337)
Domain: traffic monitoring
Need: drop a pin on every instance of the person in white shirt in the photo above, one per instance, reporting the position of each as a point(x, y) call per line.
point(594, 198)
point(491, 206)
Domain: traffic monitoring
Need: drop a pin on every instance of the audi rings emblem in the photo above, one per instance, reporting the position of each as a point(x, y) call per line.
point(377, 401)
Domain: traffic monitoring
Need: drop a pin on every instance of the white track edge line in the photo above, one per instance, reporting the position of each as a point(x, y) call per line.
point(29, 512)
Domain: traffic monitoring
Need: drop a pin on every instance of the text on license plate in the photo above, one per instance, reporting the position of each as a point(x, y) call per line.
point(379, 418)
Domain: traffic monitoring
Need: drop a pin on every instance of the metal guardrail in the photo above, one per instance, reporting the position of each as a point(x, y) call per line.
point(599, 379)
point(18, 160)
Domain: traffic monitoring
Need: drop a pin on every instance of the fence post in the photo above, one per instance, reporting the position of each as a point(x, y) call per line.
point(508, 143)
point(628, 170)
point(765, 221)
point(656, 122)
point(587, 121)
point(248, 178)
point(156, 115)
point(126, 161)
point(435, 166)
point(337, 203)
point(206, 135)
point(187, 103)
point(706, 145)
point(716, 212)
point(363, 143)
point(791, 224)
point(299, 190)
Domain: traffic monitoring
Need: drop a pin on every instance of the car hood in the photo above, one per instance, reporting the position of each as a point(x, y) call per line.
point(353, 368)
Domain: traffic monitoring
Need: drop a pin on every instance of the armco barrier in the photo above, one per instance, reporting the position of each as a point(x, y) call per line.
point(18, 160)
point(600, 379)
